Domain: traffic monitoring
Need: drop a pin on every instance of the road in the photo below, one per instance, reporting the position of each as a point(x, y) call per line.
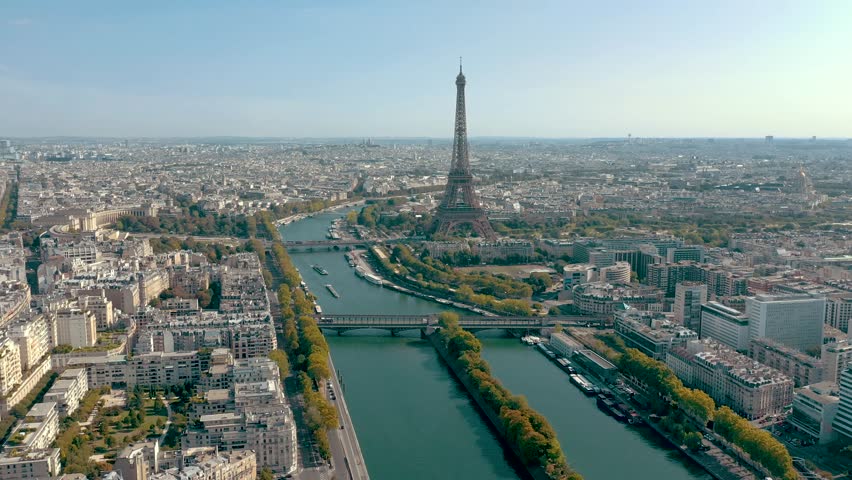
point(234, 241)
point(346, 456)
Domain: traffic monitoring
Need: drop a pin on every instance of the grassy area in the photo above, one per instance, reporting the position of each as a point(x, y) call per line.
point(515, 271)
point(114, 428)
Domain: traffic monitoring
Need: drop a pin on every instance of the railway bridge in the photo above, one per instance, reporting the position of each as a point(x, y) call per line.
point(399, 323)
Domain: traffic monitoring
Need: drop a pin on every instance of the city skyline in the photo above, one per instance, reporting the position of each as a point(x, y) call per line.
point(379, 70)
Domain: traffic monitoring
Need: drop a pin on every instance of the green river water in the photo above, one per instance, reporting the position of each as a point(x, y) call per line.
point(414, 421)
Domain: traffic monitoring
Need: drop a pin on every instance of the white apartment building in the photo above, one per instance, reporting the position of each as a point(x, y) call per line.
point(751, 389)
point(68, 390)
point(30, 464)
point(725, 325)
point(814, 410)
point(794, 320)
point(33, 337)
point(10, 365)
point(837, 356)
point(37, 431)
point(76, 328)
point(101, 307)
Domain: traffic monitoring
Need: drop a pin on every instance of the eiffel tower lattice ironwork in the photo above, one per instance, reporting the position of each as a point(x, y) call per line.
point(460, 205)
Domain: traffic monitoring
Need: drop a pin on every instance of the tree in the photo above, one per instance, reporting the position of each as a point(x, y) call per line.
point(280, 358)
point(266, 474)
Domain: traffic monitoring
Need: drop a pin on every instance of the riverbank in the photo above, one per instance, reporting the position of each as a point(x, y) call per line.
point(716, 462)
point(386, 282)
point(301, 216)
point(535, 472)
point(344, 442)
point(416, 421)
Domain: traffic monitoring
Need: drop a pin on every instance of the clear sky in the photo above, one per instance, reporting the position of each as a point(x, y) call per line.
point(744, 68)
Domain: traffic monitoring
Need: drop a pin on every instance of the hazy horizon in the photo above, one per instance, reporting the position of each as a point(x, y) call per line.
point(377, 69)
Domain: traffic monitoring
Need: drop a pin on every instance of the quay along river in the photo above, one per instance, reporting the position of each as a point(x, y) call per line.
point(413, 419)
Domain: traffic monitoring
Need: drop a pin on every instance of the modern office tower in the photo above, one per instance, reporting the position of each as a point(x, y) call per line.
point(792, 320)
point(689, 296)
point(725, 325)
point(843, 420)
point(814, 410)
point(460, 205)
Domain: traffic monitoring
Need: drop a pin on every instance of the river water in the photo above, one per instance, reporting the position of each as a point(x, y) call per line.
point(414, 421)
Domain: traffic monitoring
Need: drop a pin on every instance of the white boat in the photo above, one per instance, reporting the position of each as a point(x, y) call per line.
point(373, 279)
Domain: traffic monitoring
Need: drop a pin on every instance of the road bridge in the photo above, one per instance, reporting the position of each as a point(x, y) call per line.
point(340, 243)
point(399, 323)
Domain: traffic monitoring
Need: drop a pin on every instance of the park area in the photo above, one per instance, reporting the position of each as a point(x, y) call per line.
point(515, 271)
point(106, 422)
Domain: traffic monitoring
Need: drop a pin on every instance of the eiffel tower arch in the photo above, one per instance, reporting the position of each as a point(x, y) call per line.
point(460, 205)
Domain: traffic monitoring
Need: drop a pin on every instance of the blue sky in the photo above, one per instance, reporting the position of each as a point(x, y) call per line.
point(376, 68)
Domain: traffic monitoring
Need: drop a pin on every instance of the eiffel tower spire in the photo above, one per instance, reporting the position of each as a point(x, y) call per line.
point(460, 204)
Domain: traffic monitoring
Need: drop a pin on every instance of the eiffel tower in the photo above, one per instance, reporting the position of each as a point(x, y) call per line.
point(460, 205)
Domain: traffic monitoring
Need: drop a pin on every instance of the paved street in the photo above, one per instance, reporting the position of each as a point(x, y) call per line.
point(347, 459)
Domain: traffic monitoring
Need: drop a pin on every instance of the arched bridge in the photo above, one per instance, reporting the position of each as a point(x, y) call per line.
point(399, 323)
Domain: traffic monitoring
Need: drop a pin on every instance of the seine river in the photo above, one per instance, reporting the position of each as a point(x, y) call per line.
point(414, 421)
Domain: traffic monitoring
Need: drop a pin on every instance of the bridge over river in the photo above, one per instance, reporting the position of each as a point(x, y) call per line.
point(399, 323)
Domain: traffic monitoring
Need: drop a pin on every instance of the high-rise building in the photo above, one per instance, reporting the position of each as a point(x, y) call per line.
point(460, 205)
point(76, 328)
point(689, 296)
point(792, 320)
point(837, 356)
point(725, 325)
point(843, 419)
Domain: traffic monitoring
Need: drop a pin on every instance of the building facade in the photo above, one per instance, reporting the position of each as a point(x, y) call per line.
point(793, 320)
point(725, 325)
point(689, 296)
point(751, 389)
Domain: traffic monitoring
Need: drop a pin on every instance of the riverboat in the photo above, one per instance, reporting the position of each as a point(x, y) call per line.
point(375, 280)
point(530, 339)
point(584, 385)
point(318, 309)
point(610, 408)
point(331, 290)
point(319, 270)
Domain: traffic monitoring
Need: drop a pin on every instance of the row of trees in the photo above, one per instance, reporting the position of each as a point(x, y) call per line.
point(697, 406)
point(526, 430)
point(481, 289)
point(382, 215)
point(304, 342)
point(432, 270)
point(193, 220)
point(74, 447)
point(9, 204)
point(508, 306)
point(214, 251)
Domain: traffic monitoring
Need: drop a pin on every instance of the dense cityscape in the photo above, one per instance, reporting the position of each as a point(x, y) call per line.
point(315, 305)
